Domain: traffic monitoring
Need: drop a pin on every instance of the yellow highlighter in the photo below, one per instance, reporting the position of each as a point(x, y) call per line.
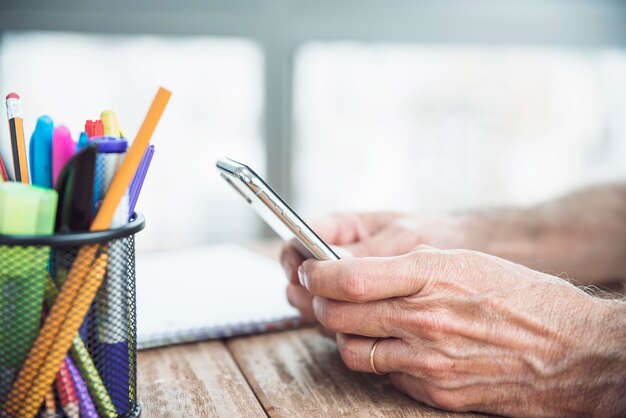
point(24, 210)
point(110, 124)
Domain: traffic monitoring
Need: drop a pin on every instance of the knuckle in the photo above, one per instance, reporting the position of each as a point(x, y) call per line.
point(447, 400)
point(443, 265)
point(329, 316)
point(350, 355)
point(355, 286)
point(431, 325)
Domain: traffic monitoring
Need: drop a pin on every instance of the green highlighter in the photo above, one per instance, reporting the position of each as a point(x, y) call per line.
point(24, 210)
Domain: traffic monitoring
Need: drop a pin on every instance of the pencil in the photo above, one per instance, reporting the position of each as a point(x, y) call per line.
point(85, 364)
point(66, 391)
point(29, 404)
point(129, 165)
point(16, 131)
point(50, 405)
point(50, 328)
point(73, 289)
point(4, 176)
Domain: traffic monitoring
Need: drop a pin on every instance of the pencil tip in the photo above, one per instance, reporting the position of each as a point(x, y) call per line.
point(13, 95)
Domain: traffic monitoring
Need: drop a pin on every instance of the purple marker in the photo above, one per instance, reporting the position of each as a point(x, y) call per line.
point(85, 404)
point(140, 175)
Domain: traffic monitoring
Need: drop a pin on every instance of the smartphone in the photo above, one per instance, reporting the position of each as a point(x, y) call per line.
point(278, 215)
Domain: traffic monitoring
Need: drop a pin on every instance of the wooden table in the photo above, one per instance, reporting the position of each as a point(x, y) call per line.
point(286, 374)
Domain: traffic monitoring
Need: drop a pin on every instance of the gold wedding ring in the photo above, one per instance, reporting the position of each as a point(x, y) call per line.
point(372, 352)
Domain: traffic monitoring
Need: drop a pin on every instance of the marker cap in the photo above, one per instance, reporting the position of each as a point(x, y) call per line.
point(110, 145)
point(94, 128)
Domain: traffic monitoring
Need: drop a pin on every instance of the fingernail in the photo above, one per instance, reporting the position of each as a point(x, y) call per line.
point(302, 276)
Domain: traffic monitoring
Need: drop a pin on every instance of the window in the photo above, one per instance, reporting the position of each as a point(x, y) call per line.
point(216, 109)
point(439, 127)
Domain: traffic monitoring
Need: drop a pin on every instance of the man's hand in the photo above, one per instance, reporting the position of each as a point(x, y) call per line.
point(363, 235)
point(467, 331)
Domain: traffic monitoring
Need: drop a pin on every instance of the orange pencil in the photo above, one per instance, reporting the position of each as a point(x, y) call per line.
point(16, 130)
point(78, 292)
point(60, 345)
point(50, 405)
point(3, 171)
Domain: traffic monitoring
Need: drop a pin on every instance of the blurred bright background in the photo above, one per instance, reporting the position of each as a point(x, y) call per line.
point(404, 105)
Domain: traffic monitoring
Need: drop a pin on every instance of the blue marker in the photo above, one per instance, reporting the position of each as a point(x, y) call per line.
point(41, 153)
point(83, 141)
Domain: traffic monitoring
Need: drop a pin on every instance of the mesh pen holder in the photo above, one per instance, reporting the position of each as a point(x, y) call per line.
point(50, 332)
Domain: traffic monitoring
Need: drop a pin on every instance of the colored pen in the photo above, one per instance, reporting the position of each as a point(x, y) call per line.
point(83, 141)
point(74, 213)
point(65, 388)
point(93, 128)
point(85, 404)
point(111, 152)
point(26, 392)
point(137, 183)
point(75, 188)
point(16, 131)
point(41, 153)
point(63, 148)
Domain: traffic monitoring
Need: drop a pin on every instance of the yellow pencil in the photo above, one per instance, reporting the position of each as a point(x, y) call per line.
point(63, 340)
point(50, 405)
point(73, 289)
point(85, 364)
point(16, 130)
point(48, 332)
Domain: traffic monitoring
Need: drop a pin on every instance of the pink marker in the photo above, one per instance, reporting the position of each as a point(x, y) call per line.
point(63, 148)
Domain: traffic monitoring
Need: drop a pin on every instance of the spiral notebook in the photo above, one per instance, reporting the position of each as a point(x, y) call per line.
point(209, 292)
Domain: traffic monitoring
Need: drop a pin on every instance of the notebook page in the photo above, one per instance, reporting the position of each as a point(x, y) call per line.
point(208, 292)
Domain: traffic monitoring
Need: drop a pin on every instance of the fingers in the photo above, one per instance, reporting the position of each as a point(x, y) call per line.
point(302, 300)
point(374, 319)
point(345, 229)
point(291, 259)
point(391, 354)
point(349, 228)
point(369, 279)
point(425, 392)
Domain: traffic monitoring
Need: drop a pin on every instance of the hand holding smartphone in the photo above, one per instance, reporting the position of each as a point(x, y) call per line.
point(278, 215)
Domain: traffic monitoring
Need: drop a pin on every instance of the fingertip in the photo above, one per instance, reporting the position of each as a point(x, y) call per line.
point(290, 259)
point(305, 271)
point(301, 276)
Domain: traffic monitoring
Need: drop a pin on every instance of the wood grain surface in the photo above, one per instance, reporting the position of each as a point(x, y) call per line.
point(300, 374)
point(193, 380)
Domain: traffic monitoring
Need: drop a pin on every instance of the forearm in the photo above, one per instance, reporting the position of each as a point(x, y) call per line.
point(610, 348)
point(582, 235)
